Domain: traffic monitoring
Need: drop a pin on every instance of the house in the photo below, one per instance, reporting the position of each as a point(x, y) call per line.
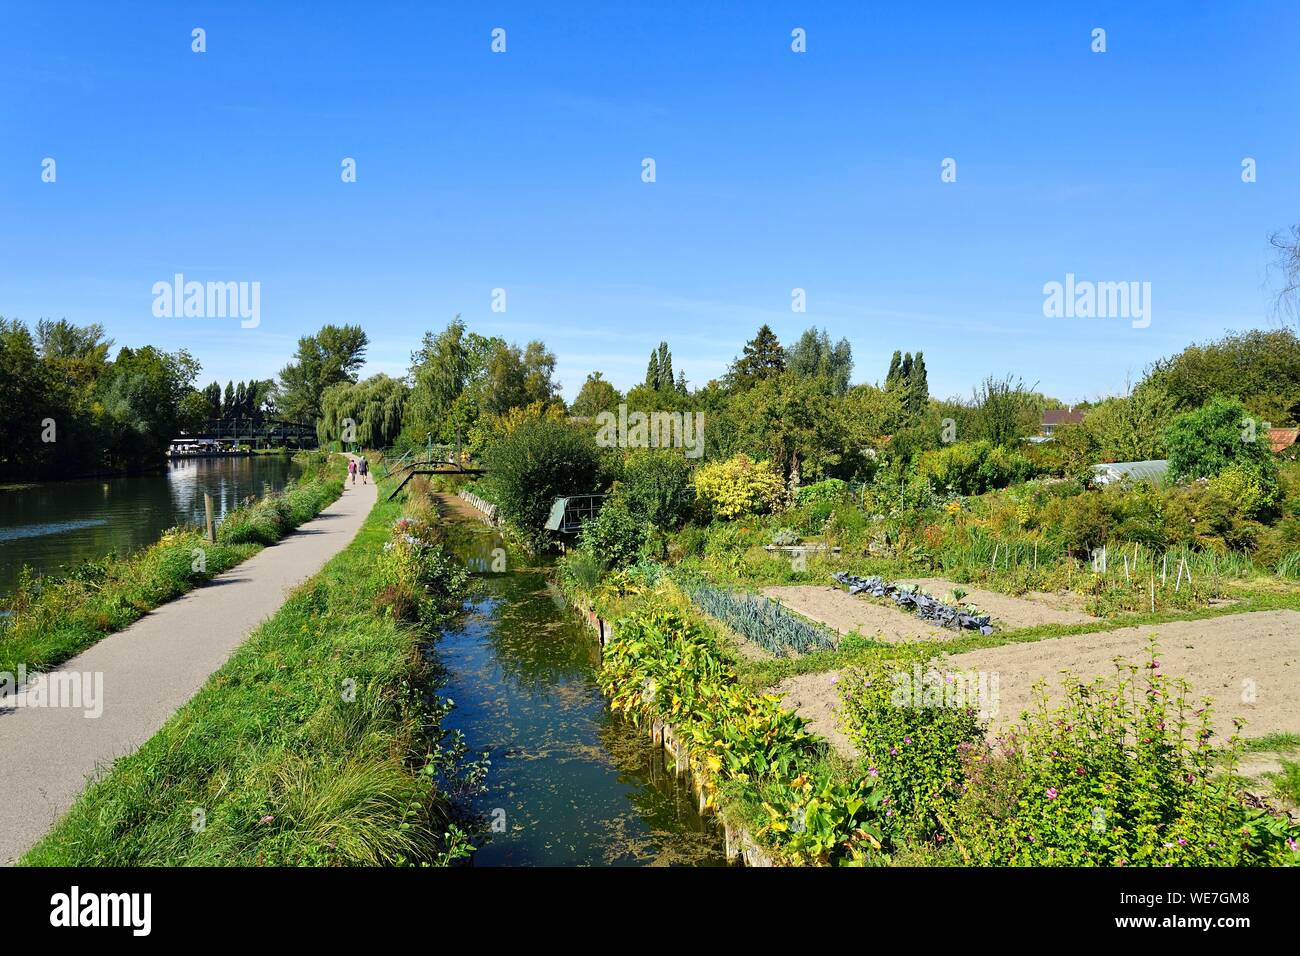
point(1130, 471)
point(1054, 418)
point(1283, 439)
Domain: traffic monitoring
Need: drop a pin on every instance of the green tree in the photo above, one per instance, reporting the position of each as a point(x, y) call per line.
point(652, 370)
point(893, 378)
point(918, 387)
point(790, 421)
point(762, 358)
point(374, 406)
point(1260, 368)
point(332, 355)
point(664, 380)
point(813, 356)
point(595, 396)
point(1003, 411)
point(1219, 434)
point(142, 394)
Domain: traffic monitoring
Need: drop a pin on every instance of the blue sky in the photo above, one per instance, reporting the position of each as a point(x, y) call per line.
point(775, 170)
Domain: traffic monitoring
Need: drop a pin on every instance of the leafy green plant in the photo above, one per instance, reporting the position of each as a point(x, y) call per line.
point(910, 736)
point(659, 665)
point(615, 537)
point(1123, 773)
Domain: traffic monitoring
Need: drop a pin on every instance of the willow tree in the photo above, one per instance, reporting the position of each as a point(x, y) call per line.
point(373, 407)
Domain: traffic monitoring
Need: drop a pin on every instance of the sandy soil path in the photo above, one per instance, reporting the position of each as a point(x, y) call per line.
point(148, 671)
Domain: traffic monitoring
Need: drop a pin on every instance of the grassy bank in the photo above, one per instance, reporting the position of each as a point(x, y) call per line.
point(318, 742)
point(54, 619)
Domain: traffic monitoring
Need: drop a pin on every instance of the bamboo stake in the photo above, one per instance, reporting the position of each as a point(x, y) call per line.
point(1164, 568)
point(1153, 592)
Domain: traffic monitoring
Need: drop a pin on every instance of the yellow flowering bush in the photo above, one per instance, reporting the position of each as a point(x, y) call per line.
point(739, 486)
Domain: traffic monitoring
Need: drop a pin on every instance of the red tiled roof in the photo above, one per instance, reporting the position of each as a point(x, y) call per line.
point(1280, 439)
point(1062, 416)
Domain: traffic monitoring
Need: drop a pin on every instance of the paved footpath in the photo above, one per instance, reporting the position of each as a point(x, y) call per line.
point(49, 754)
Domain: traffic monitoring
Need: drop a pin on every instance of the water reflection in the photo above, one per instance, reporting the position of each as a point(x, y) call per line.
point(577, 785)
point(58, 523)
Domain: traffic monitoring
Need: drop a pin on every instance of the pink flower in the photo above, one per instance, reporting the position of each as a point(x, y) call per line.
point(266, 819)
point(1292, 845)
point(1051, 793)
point(872, 771)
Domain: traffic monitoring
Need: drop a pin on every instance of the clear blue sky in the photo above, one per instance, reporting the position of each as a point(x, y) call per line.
point(775, 170)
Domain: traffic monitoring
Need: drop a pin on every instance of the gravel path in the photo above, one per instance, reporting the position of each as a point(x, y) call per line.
point(148, 671)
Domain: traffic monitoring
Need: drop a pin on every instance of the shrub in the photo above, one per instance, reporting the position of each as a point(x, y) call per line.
point(656, 485)
point(1254, 493)
point(910, 737)
point(419, 580)
point(829, 491)
point(972, 468)
point(615, 537)
point(739, 486)
point(538, 460)
point(1121, 774)
point(1219, 436)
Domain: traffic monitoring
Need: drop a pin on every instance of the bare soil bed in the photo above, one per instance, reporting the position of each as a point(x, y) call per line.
point(1216, 656)
point(816, 698)
point(840, 611)
point(1037, 607)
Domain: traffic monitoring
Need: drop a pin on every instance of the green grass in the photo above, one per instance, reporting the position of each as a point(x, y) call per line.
point(1287, 783)
point(56, 619)
point(275, 761)
point(1269, 742)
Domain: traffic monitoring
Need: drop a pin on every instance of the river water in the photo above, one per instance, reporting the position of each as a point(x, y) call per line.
point(60, 523)
point(569, 783)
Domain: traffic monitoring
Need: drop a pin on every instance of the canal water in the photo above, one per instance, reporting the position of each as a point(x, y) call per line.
point(59, 523)
point(569, 783)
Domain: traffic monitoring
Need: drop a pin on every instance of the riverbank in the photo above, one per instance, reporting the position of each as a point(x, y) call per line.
point(52, 619)
point(318, 742)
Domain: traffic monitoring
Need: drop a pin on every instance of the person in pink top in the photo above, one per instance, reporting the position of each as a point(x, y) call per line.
point(352, 469)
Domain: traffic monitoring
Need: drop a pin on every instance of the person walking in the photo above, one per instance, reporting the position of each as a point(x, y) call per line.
point(352, 469)
point(364, 468)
